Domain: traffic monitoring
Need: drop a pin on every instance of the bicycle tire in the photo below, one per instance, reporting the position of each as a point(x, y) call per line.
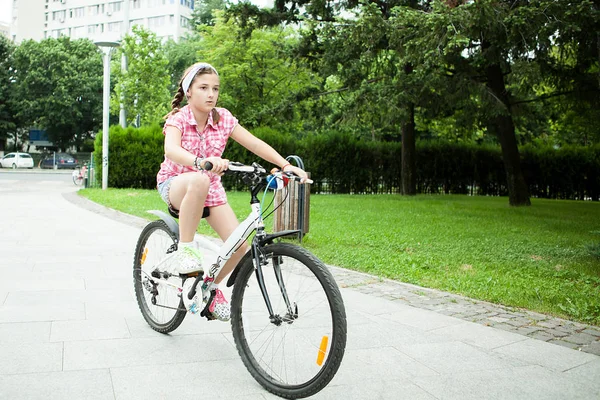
point(154, 243)
point(78, 179)
point(312, 275)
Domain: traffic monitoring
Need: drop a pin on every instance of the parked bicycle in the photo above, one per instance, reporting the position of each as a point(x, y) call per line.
point(287, 314)
point(79, 174)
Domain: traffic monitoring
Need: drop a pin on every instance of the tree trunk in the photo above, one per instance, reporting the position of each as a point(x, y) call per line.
point(409, 164)
point(503, 125)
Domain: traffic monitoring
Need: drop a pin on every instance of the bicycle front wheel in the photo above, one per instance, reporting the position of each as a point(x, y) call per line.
point(160, 303)
point(296, 352)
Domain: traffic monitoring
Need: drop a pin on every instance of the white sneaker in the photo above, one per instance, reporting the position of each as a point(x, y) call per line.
point(189, 260)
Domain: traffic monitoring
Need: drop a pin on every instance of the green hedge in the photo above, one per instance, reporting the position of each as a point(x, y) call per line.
point(135, 155)
point(340, 163)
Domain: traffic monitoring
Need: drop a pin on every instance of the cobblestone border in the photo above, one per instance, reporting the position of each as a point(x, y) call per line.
point(550, 329)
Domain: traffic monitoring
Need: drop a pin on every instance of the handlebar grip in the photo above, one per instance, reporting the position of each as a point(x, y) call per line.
point(207, 166)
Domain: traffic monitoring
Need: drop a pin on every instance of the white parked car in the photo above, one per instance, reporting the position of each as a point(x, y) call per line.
point(16, 160)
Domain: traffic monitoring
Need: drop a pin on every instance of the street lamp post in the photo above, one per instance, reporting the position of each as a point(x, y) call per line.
point(107, 48)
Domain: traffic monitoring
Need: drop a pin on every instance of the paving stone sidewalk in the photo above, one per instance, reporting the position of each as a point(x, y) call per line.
point(550, 329)
point(543, 327)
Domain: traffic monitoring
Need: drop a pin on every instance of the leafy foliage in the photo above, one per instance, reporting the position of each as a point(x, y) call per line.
point(58, 86)
point(144, 87)
point(260, 80)
point(7, 120)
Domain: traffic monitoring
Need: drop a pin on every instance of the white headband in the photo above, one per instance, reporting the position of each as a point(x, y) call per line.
point(185, 84)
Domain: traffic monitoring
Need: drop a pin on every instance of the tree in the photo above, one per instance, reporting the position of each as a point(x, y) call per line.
point(261, 83)
point(144, 87)
point(181, 55)
point(482, 43)
point(58, 86)
point(375, 79)
point(203, 13)
point(7, 119)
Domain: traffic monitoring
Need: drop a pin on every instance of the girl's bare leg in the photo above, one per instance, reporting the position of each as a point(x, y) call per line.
point(187, 194)
point(223, 220)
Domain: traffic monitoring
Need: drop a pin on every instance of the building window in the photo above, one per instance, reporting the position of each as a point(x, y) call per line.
point(78, 32)
point(136, 4)
point(79, 12)
point(114, 26)
point(156, 22)
point(97, 28)
point(94, 10)
point(59, 15)
point(184, 22)
point(187, 3)
point(115, 6)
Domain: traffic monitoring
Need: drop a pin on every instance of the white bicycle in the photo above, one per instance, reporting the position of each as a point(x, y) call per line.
point(287, 314)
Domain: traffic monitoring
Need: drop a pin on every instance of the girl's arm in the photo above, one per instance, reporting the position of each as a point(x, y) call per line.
point(264, 151)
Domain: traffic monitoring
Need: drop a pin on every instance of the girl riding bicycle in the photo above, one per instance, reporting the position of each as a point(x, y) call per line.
point(195, 134)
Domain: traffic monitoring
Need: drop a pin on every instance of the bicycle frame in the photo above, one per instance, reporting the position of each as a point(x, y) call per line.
point(238, 236)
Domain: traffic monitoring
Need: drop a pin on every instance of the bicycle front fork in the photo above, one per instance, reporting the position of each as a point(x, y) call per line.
point(259, 260)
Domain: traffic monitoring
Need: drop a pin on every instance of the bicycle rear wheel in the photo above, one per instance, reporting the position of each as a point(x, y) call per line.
point(78, 178)
point(298, 352)
point(160, 304)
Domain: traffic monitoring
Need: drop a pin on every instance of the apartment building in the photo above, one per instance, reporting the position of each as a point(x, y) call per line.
point(27, 20)
point(108, 20)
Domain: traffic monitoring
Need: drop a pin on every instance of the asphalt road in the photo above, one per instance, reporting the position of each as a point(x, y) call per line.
point(35, 175)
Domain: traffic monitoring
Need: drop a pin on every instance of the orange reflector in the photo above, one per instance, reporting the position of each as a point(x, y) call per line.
point(144, 255)
point(322, 350)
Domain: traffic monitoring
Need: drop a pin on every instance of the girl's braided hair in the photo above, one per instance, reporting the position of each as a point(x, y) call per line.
point(180, 95)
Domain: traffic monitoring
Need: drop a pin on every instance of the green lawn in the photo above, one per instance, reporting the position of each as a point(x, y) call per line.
point(534, 257)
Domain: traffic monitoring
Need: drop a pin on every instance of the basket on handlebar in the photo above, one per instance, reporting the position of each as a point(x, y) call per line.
point(295, 210)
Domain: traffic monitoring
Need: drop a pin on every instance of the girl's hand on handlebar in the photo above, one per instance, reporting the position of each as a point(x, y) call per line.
point(219, 165)
point(296, 171)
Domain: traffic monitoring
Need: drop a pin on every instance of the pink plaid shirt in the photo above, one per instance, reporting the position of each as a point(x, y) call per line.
point(208, 143)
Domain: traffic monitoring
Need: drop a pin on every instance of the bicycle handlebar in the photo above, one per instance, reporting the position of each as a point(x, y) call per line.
point(255, 168)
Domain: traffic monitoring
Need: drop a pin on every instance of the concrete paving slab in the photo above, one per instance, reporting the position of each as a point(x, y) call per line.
point(23, 358)
point(24, 332)
point(89, 385)
point(36, 283)
point(521, 383)
point(547, 355)
point(479, 335)
point(65, 297)
point(383, 334)
point(588, 372)
point(375, 362)
point(381, 388)
point(225, 379)
point(422, 319)
point(42, 312)
point(102, 309)
point(17, 269)
point(450, 357)
point(96, 329)
point(163, 349)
